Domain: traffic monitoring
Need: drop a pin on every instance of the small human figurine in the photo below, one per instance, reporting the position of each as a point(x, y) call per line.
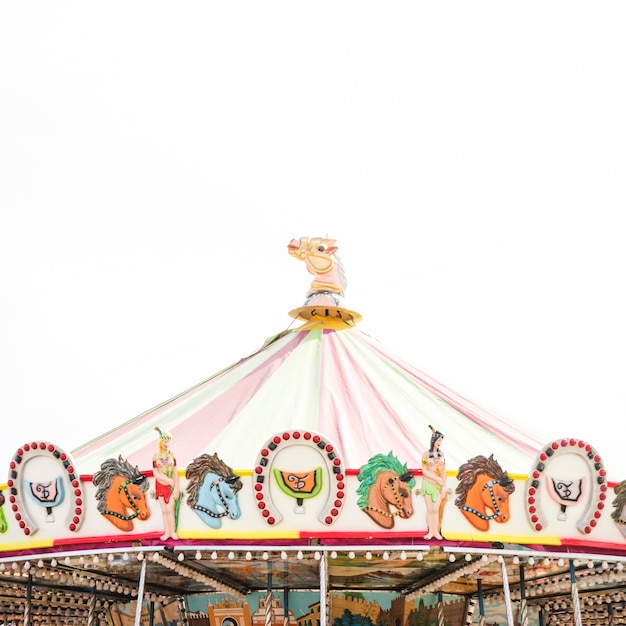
point(167, 489)
point(434, 484)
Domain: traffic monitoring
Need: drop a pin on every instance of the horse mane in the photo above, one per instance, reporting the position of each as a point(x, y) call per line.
point(341, 273)
point(470, 471)
point(619, 501)
point(109, 470)
point(200, 467)
point(368, 474)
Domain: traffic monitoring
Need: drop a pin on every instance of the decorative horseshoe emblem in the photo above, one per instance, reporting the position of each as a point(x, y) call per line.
point(47, 494)
point(596, 499)
point(263, 472)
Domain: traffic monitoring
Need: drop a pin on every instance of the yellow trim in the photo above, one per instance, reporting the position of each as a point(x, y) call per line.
point(249, 472)
point(551, 540)
point(8, 547)
point(229, 534)
point(523, 477)
point(518, 476)
point(240, 473)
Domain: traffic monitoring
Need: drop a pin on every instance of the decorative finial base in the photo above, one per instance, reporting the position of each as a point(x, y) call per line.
point(324, 312)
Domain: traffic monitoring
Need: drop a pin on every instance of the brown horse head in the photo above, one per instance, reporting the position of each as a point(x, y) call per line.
point(396, 492)
point(483, 492)
point(385, 490)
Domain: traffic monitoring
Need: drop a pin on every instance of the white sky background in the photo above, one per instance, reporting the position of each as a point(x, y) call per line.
point(156, 158)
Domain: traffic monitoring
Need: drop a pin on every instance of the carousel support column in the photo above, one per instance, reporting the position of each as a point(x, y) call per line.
point(470, 607)
point(542, 617)
point(182, 610)
point(269, 612)
point(482, 620)
point(523, 607)
point(91, 607)
point(286, 606)
point(507, 592)
point(609, 608)
point(575, 600)
point(142, 583)
point(29, 601)
point(151, 612)
point(324, 593)
point(440, 618)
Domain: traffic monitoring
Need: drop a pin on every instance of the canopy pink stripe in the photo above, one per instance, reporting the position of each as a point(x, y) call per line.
point(506, 431)
point(206, 423)
point(193, 430)
point(352, 411)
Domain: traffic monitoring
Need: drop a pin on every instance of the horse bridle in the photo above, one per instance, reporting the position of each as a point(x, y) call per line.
point(216, 483)
point(131, 502)
point(489, 485)
point(405, 478)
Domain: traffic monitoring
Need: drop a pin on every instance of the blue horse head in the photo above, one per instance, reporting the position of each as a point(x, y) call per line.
point(212, 490)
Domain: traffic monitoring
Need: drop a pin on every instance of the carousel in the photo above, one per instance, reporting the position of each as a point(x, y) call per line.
point(321, 480)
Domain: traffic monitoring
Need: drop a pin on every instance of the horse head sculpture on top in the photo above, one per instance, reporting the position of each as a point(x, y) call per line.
point(319, 255)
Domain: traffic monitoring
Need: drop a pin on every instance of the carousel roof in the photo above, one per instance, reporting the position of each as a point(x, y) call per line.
point(328, 377)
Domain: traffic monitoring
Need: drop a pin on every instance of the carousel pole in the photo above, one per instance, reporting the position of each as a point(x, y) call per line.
point(507, 592)
point(542, 618)
point(470, 607)
point(29, 598)
point(182, 609)
point(609, 608)
point(269, 612)
point(324, 595)
point(142, 582)
point(523, 607)
point(440, 618)
point(286, 621)
point(286, 605)
point(91, 607)
point(575, 600)
point(482, 620)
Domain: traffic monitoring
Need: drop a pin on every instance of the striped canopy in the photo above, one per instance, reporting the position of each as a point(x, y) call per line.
point(331, 379)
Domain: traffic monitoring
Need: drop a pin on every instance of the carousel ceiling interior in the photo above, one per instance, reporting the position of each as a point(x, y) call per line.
point(64, 584)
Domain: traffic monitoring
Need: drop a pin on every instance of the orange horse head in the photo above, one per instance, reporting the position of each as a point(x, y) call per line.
point(121, 493)
point(483, 492)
